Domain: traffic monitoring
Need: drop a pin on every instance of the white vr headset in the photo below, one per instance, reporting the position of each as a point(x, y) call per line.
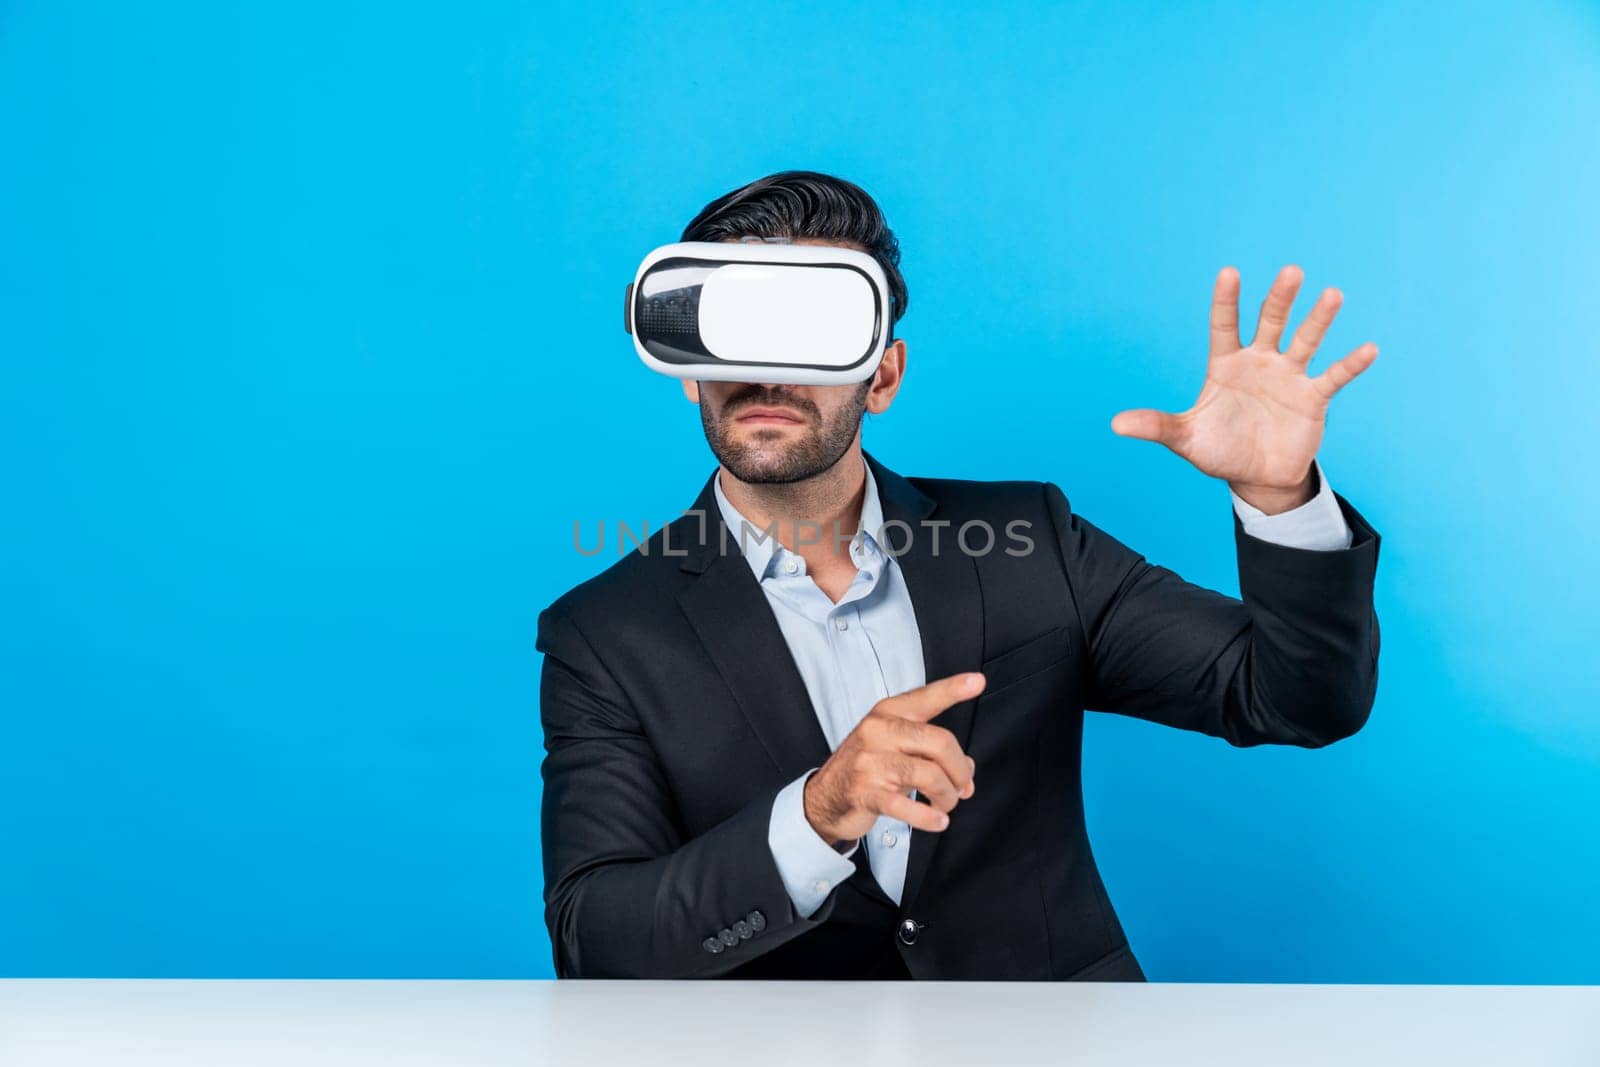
point(770, 312)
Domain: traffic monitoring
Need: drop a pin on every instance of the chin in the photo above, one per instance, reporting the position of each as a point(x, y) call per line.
point(756, 465)
point(767, 443)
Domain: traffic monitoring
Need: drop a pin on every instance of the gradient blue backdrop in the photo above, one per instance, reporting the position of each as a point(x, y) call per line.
point(309, 321)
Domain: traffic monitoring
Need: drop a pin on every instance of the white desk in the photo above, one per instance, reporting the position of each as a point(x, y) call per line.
point(949, 1024)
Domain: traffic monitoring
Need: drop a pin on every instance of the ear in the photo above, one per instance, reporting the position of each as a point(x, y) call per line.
point(691, 390)
point(887, 378)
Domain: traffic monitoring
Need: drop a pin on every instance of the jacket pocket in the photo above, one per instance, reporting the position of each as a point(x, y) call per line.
point(1025, 660)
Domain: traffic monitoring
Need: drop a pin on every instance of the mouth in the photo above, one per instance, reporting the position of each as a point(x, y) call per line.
point(770, 416)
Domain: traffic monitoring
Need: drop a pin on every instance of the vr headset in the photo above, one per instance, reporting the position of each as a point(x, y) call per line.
point(759, 312)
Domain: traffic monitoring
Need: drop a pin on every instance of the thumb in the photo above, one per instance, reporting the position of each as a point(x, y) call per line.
point(1147, 425)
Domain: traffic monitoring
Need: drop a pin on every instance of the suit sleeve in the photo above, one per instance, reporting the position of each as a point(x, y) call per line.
point(627, 894)
point(1294, 661)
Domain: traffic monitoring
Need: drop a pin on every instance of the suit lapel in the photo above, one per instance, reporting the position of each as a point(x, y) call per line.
point(735, 623)
point(948, 604)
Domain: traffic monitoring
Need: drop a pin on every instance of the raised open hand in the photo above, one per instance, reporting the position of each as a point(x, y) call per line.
point(1258, 421)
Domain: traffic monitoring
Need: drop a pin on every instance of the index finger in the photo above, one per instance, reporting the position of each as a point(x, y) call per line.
point(1225, 313)
point(926, 702)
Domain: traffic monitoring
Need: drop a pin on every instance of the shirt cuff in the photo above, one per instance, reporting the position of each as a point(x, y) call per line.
point(1318, 524)
point(808, 865)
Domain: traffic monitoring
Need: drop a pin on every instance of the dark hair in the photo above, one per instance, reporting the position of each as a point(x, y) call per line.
point(804, 203)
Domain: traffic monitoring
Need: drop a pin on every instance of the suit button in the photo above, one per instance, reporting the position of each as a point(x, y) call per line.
point(742, 929)
point(728, 937)
point(713, 946)
point(758, 921)
point(908, 932)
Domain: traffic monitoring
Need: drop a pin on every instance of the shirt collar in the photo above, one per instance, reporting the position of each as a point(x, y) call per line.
point(759, 549)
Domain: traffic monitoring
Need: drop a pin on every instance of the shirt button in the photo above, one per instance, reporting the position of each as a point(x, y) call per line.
point(889, 839)
point(791, 566)
point(820, 886)
point(842, 623)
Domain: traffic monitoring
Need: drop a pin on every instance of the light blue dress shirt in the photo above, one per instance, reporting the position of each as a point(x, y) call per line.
point(867, 646)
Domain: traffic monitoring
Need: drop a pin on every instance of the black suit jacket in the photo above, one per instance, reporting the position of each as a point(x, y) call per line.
point(673, 714)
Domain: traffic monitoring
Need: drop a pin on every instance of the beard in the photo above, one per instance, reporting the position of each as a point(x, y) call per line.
point(766, 459)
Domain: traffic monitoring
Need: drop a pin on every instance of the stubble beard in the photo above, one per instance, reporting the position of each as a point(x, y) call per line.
point(762, 460)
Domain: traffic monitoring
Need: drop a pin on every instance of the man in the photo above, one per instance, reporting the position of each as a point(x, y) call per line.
point(857, 756)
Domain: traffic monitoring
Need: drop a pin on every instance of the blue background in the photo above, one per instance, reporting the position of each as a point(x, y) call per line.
point(309, 321)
